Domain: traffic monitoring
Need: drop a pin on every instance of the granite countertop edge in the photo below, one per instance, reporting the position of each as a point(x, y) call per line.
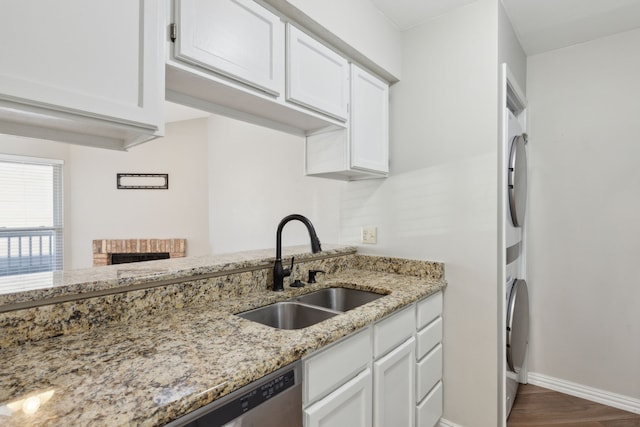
point(43, 286)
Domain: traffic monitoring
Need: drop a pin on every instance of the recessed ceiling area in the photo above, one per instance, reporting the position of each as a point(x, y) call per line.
point(541, 25)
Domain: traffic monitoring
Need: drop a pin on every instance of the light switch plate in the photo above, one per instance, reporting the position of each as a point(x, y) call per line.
point(369, 235)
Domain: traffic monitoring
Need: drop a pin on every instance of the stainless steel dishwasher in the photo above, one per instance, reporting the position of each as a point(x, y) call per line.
point(272, 401)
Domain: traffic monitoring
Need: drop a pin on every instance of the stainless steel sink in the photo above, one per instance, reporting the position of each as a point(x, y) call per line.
point(339, 299)
point(288, 315)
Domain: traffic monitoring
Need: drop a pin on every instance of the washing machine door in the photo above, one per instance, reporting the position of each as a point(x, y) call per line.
point(517, 180)
point(517, 325)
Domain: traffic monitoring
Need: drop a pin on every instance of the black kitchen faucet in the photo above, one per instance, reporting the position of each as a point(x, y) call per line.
point(279, 273)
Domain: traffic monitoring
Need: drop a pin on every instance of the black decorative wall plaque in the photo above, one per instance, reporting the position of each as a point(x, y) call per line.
point(143, 181)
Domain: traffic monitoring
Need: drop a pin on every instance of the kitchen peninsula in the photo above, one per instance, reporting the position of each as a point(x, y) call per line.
point(147, 344)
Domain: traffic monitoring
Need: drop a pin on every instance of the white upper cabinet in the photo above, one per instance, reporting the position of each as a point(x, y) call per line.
point(82, 72)
point(317, 77)
point(228, 57)
point(362, 150)
point(369, 122)
point(237, 38)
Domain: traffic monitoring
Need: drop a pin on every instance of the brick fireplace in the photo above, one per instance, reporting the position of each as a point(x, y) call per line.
point(104, 249)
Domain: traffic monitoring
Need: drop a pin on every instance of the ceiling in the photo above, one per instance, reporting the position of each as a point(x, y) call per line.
point(407, 14)
point(541, 25)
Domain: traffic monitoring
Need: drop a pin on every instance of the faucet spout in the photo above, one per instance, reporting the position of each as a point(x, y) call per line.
point(279, 272)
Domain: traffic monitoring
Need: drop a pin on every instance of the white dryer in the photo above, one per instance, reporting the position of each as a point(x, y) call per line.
point(516, 181)
point(517, 328)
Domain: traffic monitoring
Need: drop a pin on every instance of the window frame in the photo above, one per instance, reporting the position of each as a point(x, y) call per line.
point(57, 229)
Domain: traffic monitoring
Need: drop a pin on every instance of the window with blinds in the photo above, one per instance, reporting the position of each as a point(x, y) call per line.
point(31, 215)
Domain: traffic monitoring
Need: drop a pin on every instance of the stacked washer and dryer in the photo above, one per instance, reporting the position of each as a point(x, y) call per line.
point(517, 297)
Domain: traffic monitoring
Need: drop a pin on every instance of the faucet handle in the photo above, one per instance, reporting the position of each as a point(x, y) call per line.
point(287, 271)
point(312, 275)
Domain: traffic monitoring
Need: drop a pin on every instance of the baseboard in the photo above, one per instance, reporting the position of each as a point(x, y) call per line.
point(445, 423)
point(589, 393)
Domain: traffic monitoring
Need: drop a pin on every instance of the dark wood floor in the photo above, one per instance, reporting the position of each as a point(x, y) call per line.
point(537, 406)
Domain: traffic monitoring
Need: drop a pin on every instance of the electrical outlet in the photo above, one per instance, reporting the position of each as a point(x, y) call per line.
point(369, 235)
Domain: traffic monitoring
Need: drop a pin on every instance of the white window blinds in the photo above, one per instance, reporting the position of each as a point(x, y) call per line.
point(31, 215)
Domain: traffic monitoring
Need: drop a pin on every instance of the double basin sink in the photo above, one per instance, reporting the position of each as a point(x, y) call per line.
point(309, 309)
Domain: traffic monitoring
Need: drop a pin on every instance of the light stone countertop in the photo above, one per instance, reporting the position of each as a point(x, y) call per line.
point(159, 368)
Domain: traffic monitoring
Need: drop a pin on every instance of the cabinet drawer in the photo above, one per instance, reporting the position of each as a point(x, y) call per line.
point(332, 367)
point(428, 309)
point(429, 410)
point(429, 337)
point(429, 371)
point(393, 330)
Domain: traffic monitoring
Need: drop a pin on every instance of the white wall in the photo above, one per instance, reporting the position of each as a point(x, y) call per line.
point(100, 211)
point(255, 179)
point(440, 201)
point(509, 48)
point(95, 209)
point(583, 226)
point(230, 184)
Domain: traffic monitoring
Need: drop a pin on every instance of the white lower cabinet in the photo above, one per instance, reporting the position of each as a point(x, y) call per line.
point(332, 367)
point(394, 369)
point(393, 330)
point(386, 375)
point(429, 371)
point(348, 406)
point(393, 395)
point(429, 361)
point(429, 411)
point(336, 387)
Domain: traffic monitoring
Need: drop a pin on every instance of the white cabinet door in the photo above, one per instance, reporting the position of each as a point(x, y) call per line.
point(237, 38)
point(91, 59)
point(369, 122)
point(317, 77)
point(348, 406)
point(362, 150)
point(394, 391)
